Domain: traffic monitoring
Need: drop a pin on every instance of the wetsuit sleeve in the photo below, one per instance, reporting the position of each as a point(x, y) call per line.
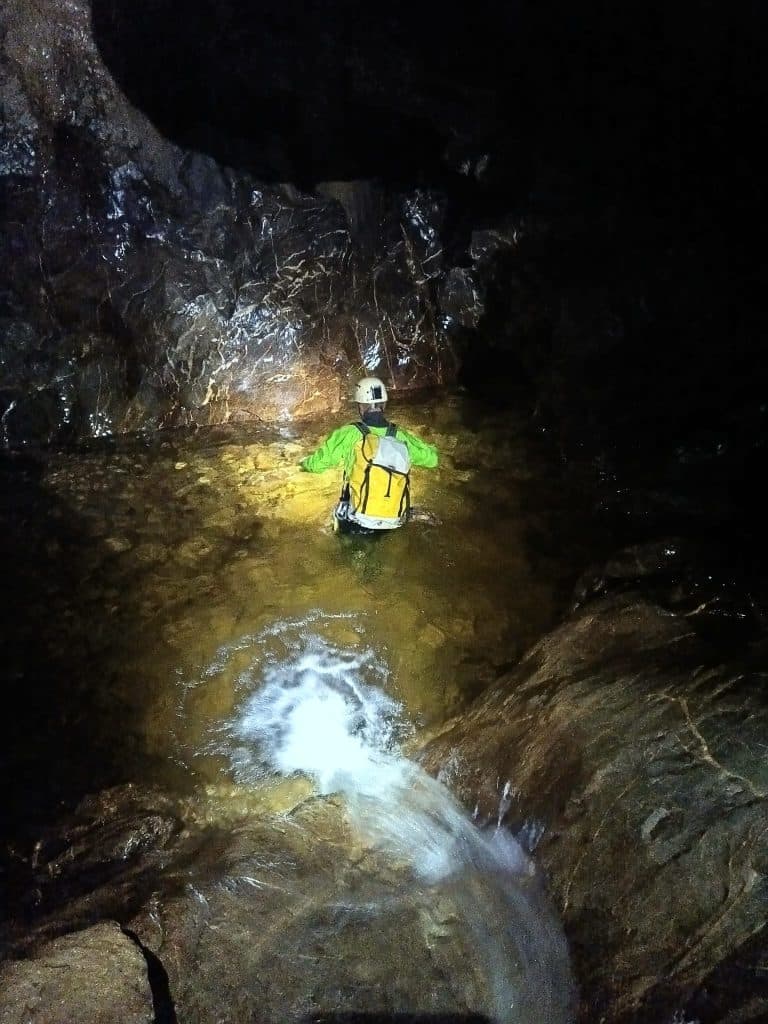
point(332, 451)
point(422, 454)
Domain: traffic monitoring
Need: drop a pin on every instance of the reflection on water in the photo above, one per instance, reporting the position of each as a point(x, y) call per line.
point(134, 566)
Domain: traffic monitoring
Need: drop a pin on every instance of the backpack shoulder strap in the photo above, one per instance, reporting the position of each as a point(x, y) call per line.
point(361, 427)
point(391, 430)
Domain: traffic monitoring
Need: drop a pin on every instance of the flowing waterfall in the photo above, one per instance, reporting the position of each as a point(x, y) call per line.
point(322, 712)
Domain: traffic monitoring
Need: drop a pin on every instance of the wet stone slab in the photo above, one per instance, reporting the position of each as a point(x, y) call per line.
point(634, 758)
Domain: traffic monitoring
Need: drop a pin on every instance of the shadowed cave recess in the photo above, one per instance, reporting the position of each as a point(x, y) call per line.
point(537, 223)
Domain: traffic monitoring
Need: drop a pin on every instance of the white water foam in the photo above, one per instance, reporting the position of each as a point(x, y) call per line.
point(322, 712)
point(313, 713)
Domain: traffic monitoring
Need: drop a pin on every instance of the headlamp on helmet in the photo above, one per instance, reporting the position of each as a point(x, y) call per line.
point(370, 391)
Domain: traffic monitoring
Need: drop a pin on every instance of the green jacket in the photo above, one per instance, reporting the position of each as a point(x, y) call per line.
point(338, 447)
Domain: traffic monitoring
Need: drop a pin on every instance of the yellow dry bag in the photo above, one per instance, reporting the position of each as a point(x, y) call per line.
point(379, 492)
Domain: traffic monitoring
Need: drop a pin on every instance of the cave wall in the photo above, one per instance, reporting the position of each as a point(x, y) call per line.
point(228, 216)
point(146, 285)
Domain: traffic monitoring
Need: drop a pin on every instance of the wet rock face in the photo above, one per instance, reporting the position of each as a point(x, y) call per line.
point(634, 757)
point(97, 975)
point(146, 286)
point(274, 917)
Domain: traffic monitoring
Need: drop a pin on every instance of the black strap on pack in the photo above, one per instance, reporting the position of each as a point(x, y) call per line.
point(365, 429)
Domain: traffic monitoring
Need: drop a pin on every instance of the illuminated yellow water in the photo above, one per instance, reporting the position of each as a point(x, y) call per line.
point(189, 545)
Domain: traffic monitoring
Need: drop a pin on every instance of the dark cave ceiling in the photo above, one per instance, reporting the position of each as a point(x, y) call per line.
point(627, 98)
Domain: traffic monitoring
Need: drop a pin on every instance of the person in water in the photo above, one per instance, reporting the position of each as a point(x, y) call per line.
point(377, 457)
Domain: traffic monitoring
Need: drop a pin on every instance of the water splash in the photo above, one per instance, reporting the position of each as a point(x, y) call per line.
point(313, 714)
point(322, 712)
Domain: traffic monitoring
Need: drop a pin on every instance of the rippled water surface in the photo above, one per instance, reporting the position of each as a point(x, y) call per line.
point(133, 568)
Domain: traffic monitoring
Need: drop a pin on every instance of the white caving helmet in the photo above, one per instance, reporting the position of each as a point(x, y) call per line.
point(370, 391)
